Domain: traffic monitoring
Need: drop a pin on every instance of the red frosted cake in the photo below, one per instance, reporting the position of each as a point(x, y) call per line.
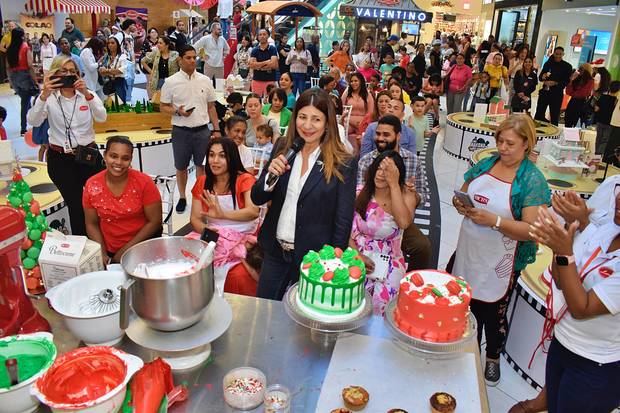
point(433, 306)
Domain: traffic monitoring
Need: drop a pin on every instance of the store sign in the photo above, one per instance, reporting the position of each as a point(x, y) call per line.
point(385, 13)
point(38, 25)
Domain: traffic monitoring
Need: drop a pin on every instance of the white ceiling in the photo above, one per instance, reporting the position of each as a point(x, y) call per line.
point(601, 11)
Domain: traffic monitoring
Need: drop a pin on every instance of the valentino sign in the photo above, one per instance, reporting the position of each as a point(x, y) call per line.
point(402, 10)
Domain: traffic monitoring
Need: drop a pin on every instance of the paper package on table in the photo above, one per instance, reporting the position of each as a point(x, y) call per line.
point(66, 256)
point(497, 106)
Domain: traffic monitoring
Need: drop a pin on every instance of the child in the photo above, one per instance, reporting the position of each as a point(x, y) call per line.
point(235, 105)
point(386, 68)
point(421, 122)
point(3, 136)
point(603, 109)
point(433, 89)
point(404, 57)
point(264, 137)
point(268, 90)
point(374, 83)
point(481, 90)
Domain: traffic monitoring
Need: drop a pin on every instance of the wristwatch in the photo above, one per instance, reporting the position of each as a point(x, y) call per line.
point(497, 224)
point(564, 260)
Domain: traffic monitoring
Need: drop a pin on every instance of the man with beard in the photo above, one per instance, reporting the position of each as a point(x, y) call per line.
point(415, 245)
point(406, 139)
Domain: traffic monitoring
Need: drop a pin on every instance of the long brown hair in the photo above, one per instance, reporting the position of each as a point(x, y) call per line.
point(333, 152)
point(375, 113)
point(368, 191)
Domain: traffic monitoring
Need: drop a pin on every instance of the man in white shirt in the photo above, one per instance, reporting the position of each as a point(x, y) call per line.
point(213, 48)
point(225, 11)
point(125, 39)
point(190, 98)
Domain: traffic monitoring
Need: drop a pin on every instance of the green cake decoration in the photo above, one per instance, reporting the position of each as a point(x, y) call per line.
point(327, 252)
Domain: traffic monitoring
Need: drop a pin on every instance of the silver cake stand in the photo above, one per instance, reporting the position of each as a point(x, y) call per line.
point(324, 332)
point(430, 349)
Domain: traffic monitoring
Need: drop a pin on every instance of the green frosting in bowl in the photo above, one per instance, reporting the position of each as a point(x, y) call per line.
point(32, 355)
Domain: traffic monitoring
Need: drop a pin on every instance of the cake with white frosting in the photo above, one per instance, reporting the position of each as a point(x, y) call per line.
point(331, 283)
point(433, 306)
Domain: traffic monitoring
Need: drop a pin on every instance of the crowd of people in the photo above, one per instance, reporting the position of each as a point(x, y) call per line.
point(358, 124)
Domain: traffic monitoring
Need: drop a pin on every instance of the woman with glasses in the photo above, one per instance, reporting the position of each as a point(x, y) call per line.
point(72, 158)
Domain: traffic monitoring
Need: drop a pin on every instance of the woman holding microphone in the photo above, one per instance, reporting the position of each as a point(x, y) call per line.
point(321, 173)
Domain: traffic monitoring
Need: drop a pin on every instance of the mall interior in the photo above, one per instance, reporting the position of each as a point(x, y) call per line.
point(456, 254)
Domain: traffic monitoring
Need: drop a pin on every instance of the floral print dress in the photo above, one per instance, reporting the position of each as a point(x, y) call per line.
point(379, 234)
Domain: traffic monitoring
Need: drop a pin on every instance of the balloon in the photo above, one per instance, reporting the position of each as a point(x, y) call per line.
point(22, 254)
point(35, 207)
point(34, 234)
point(15, 201)
point(26, 244)
point(17, 177)
point(40, 219)
point(38, 243)
point(36, 272)
point(43, 235)
point(29, 263)
point(28, 225)
point(28, 139)
point(33, 252)
point(27, 197)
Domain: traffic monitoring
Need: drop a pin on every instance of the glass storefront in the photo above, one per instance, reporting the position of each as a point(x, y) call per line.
point(515, 25)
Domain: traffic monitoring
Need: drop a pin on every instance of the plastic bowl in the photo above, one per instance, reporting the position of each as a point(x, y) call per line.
point(110, 402)
point(17, 399)
point(250, 378)
point(95, 326)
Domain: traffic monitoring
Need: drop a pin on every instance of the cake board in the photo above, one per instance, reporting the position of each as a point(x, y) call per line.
point(324, 332)
point(396, 379)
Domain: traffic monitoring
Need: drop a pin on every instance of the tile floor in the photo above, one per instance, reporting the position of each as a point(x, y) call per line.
point(449, 172)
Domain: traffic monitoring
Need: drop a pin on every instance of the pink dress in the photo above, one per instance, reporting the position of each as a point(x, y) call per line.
point(358, 111)
point(380, 235)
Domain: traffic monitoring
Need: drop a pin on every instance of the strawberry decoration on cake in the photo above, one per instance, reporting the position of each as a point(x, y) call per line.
point(433, 306)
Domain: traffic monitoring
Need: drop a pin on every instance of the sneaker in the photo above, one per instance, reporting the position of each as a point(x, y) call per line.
point(491, 372)
point(181, 205)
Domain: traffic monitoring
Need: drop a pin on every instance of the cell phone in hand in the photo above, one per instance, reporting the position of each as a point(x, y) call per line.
point(190, 110)
point(66, 81)
point(464, 198)
point(209, 235)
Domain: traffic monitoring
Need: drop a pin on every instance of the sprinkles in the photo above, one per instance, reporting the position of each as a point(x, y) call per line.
point(245, 385)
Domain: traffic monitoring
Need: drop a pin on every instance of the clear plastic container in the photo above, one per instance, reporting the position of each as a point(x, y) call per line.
point(277, 399)
point(244, 388)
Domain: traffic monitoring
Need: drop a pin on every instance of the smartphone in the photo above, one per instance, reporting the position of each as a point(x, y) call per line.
point(209, 235)
point(464, 198)
point(66, 81)
point(190, 110)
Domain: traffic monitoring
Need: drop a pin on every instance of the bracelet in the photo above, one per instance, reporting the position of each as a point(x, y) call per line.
point(498, 222)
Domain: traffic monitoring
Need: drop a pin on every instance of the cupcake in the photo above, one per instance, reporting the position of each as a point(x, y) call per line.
point(355, 397)
point(442, 403)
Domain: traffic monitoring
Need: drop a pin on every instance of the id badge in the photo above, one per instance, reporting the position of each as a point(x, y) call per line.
point(67, 147)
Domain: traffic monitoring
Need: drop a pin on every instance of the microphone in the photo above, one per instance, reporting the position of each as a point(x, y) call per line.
point(298, 143)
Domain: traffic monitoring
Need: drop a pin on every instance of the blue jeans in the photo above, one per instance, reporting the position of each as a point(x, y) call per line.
point(278, 271)
point(299, 82)
point(130, 75)
point(578, 385)
point(224, 24)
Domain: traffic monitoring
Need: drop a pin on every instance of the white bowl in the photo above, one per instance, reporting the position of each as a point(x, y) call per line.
point(110, 402)
point(245, 400)
point(71, 300)
point(17, 399)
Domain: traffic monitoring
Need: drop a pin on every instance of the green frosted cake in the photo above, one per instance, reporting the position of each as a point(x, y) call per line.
point(331, 282)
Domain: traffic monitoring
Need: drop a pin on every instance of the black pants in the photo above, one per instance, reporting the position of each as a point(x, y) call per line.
point(552, 100)
point(416, 248)
point(70, 178)
point(574, 112)
point(25, 99)
point(492, 319)
point(279, 270)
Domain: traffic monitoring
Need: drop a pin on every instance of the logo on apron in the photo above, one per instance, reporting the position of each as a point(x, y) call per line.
point(503, 269)
point(481, 199)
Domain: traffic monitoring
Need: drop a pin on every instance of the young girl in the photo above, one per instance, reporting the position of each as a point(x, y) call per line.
point(481, 90)
point(433, 89)
point(264, 136)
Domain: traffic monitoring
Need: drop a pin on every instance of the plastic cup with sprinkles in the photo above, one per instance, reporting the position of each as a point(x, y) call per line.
point(277, 399)
point(244, 388)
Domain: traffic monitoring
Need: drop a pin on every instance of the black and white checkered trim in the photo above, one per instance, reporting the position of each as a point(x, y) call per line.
point(54, 208)
point(521, 372)
point(540, 309)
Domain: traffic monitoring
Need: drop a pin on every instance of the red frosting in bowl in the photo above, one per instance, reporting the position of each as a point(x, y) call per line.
point(82, 375)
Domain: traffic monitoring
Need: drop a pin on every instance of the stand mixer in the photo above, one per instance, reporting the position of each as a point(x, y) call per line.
point(17, 314)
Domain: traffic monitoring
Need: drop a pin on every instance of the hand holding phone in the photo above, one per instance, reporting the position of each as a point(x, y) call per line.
point(64, 81)
point(463, 198)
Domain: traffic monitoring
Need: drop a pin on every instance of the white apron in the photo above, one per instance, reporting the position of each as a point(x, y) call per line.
point(220, 272)
point(484, 257)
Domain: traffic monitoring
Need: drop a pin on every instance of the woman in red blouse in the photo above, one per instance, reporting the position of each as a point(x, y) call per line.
point(579, 89)
point(221, 201)
point(122, 206)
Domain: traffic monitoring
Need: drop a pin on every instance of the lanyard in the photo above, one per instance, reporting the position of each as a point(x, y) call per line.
point(68, 144)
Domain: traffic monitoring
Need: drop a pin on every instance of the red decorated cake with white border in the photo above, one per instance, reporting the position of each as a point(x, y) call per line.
point(433, 305)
